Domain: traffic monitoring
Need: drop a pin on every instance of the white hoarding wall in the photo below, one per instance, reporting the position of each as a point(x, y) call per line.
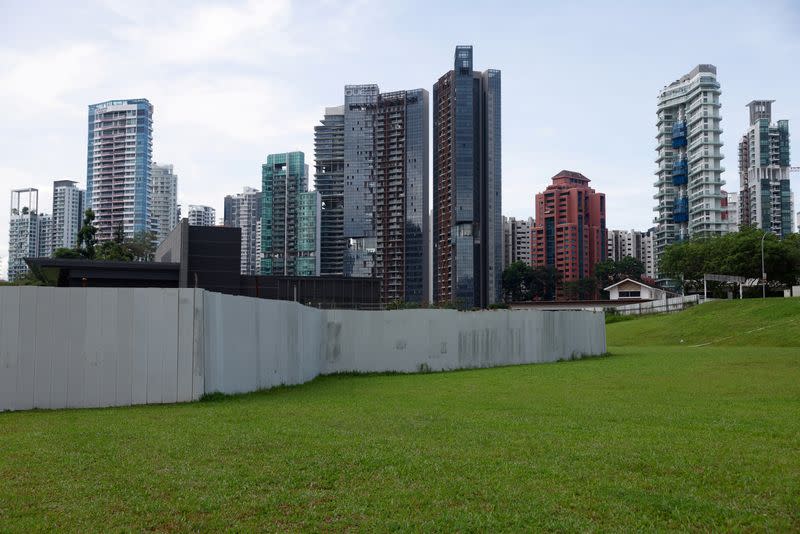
point(90, 347)
point(76, 347)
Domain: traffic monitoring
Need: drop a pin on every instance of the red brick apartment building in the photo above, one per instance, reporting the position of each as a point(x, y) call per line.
point(569, 232)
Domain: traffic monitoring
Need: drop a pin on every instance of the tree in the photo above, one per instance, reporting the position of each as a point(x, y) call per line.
point(609, 271)
point(516, 278)
point(581, 289)
point(522, 282)
point(86, 235)
point(735, 254)
point(545, 281)
point(68, 253)
point(140, 248)
point(115, 249)
point(143, 246)
point(27, 279)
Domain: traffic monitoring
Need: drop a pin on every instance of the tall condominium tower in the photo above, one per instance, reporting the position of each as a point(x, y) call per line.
point(165, 200)
point(202, 216)
point(689, 175)
point(45, 236)
point(372, 173)
point(517, 240)
point(25, 238)
point(639, 245)
point(329, 182)
point(467, 219)
point(68, 206)
point(570, 229)
point(730, 210)
point(766, 197)
point(283, 180)
point(243, 210)
point(118, 184)
point(309, 213)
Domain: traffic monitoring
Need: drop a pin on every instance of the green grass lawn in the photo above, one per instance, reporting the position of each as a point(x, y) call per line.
point(664, 436)
point(736, 323)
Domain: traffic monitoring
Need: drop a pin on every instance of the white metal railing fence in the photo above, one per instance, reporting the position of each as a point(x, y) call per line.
point(657, 306)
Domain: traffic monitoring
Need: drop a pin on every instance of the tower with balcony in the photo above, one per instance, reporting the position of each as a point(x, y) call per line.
point(688, 158)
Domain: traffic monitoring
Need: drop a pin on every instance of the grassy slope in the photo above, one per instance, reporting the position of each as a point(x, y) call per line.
point(750, 322)
point(649, 438)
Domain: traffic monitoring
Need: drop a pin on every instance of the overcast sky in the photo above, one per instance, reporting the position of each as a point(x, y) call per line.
point(234, 81)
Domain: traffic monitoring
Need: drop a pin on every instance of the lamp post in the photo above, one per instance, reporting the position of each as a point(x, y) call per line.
point(763, 272)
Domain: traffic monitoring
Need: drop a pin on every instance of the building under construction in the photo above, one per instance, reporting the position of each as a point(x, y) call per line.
point(401, 195)
point(372, 174)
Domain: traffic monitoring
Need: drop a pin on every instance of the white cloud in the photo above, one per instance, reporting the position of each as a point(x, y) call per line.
point(212, 32)
point(39, 82)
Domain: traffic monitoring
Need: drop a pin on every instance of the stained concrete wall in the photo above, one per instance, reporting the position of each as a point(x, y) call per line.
point(412, 340)
point(87, 347)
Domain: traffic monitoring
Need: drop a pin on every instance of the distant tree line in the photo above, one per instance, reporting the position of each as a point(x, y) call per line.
point(140, 248)
point(734, 254)
point(521, 282)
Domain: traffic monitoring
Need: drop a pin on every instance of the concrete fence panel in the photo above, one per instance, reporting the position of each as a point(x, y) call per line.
point(94, 347)
point(91, 347)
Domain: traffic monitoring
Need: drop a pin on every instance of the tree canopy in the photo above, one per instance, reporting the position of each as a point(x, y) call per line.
point(735, 254)
point(610, 271)
point(139, 248)
point(522, 282)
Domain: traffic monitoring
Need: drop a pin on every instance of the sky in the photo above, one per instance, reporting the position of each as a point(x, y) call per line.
point(234, 81)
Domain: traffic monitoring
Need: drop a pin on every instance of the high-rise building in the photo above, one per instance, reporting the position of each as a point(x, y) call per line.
point(68, 206)
point(400, 204)
point(639, 245)
point(329, 182)
point(202, 215)
point(467, 219)
point(24, 231)
point(570, 228)
point(372, 173)
point(165, 200)
point(284, 178)
point(650, 253)
point(45, 236)
point(309, 213)
point(517, 240)
point(764, 166)
point(118, 179)
point(689, 174)
point(507, 247)
point(730, 210)
point(243, 210)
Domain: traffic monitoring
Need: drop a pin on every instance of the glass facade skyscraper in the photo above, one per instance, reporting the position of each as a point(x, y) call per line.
point(284, 179)
point(372, 173)
point(467, 176)
point(309, 206)
point(764, 166)
point(118, 167)
point(329, 182)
